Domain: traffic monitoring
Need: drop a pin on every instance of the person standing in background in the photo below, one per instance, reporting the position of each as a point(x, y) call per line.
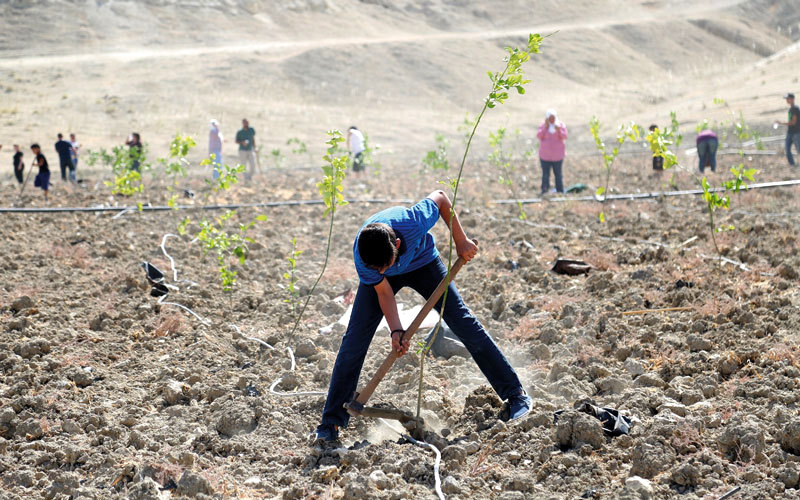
point(246, 139)
point(707, 144)
point(552, 136)
point(64, 150)
point(42, 179)
point(19, 166)
point(355, 144)
point(134, 144)
point(75, 147)
point(792, 128)
point(215, 147)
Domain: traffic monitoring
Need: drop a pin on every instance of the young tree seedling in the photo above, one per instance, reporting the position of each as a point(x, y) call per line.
point(331, 188)
point(437, 159)
point(226, 244)
point(127, 180)
point(631, 132)
point(660, 142)
point(293, 298)
point(277, 158)
point(509, 79)
point(502, 157)
point(176, 163)
point(228, 176)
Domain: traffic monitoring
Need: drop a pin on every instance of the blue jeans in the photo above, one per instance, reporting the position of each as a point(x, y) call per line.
point(792, 139)
point(707, 152)
point(367, 315)
point(216, 165)
point(556, 167)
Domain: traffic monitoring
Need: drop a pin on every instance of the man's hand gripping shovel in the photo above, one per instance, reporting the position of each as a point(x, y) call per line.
point(356, 406)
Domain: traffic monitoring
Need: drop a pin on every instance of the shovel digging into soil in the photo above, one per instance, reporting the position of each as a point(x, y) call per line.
point(357, 408)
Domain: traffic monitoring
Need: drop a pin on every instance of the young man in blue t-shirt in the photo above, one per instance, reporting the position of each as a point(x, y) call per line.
point(393, 250)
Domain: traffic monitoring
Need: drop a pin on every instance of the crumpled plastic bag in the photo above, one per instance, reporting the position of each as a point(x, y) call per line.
point(614, 423)
point(156, 280)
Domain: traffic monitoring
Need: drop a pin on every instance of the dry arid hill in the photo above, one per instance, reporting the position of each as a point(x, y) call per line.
point(400, 70)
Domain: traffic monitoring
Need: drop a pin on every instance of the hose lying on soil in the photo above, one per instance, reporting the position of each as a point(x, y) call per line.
point(175, 276)
point(254, 339)
point(423, 444)
point(199, 318)
point(292, 394)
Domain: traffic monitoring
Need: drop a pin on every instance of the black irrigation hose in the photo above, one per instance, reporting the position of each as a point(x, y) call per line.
point(644, 196)
point(164, 208)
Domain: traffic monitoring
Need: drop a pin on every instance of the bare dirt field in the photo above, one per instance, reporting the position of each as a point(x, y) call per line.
point(105, 393)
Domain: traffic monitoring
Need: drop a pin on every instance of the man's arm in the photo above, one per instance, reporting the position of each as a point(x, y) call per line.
point(389, 309)
point(791, 123)
point(465, 247)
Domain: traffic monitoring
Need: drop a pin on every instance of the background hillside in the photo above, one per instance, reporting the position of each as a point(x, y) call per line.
point(400, 70)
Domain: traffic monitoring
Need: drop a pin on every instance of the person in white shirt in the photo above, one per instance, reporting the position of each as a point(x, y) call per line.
point(215, 146)
point(74, 154)
point(355, 143)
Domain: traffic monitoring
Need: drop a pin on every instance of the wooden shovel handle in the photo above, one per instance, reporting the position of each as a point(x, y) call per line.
point(365, 393)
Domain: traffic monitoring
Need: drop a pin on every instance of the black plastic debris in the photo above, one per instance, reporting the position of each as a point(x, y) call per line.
point(156, 280)
point(188, 193)
point(251, 391)
point(614, 423)
point(571, 267)
point(683, 284)
point(169, 485)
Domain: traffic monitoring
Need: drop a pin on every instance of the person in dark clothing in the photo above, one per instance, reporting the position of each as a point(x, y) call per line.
point(658, 161)
point(134, 142)
point(43, 177)
point(792, 128)
point(64, 150)
point(19, 167)
point(707, 144)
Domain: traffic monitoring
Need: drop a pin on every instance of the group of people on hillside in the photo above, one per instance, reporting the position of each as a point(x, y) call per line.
point(68, 153)
point(552, 135)
point(248, 152)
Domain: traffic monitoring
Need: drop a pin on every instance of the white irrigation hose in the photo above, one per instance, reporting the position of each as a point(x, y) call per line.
point(292, 394)
point(423, 444)
point(125, 211)
point(726, 260)
point(254, 339)
point(171, 260)
point(199, 318)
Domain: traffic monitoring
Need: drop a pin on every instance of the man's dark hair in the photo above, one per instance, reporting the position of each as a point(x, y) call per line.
point(377, 245)
point(353, 127)
point(60, 135)
point(136, 136)
point(653, 127)
point(35, 145)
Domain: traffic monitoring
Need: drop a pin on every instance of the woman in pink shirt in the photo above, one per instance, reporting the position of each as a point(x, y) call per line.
point(552, 135)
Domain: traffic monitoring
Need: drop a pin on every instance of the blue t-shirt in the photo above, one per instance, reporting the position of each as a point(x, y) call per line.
point(417, 247)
